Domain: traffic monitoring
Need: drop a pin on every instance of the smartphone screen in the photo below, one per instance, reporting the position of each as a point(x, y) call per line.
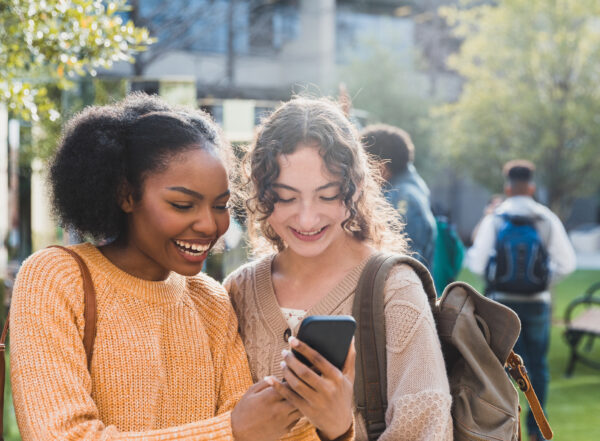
point(329, 335)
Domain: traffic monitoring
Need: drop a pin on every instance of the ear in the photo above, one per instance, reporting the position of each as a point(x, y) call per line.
point(508, 190)
point(125, 197)
point(531, 189)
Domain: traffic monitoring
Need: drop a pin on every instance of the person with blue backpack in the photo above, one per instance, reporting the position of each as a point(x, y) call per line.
point(521, 249)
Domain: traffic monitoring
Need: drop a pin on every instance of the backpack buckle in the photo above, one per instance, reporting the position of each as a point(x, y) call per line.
point(517, 370)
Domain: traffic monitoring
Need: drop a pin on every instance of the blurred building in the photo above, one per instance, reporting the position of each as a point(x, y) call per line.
point(238, 59)
point(244, 56)
point(261, 49)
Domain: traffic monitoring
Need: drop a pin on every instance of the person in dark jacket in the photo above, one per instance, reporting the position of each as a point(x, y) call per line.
point(404, 188)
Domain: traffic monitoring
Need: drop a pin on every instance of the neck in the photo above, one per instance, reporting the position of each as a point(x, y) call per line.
point(131, 260)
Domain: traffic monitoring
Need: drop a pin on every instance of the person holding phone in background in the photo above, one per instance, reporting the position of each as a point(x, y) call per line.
point(151, 182)
point(315, 216)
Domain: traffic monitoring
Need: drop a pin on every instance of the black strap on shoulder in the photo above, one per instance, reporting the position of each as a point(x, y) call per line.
point(370, 386)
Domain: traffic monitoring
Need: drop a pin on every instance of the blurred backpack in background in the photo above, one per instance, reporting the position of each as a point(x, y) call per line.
point(519, 263)
point(448, 255)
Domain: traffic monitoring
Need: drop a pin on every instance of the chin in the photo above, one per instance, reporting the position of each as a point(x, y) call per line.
point(312, 250)
point(188, 271)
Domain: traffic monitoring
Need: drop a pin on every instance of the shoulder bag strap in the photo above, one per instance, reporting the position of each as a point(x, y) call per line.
point(89, 331)
point(517, 370)
point(370, 385)
point(89, 304)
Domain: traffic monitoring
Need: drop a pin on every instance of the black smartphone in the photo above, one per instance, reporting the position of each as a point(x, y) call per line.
point(329, 335)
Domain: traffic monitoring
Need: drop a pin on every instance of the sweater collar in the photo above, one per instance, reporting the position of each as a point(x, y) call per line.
point(164, 291)
point(270, 309)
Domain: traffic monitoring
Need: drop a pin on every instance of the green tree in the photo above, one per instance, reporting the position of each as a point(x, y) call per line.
point(531, 70)
point(381, 85)
point(54, 42)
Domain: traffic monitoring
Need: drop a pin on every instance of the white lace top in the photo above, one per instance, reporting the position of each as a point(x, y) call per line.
point(293, 317)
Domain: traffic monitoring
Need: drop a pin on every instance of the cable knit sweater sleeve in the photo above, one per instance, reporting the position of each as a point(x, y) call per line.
point(418, 392)
point(51, 384)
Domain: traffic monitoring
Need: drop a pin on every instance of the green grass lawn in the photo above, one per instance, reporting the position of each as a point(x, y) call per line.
point(574, 403)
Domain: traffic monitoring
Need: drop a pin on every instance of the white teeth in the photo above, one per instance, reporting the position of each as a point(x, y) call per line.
point(192, 248)
point(310, 233)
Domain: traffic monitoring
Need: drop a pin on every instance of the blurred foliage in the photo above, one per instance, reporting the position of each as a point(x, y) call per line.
point(531, 70)
point(86, 91)
point(381, 85)
point(55, 41)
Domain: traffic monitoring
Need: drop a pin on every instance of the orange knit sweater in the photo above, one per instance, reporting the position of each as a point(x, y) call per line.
point(168, 362)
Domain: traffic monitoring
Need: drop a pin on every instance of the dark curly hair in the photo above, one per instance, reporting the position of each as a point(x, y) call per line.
point(322, 123)
point(390, 144)
point(104, 148)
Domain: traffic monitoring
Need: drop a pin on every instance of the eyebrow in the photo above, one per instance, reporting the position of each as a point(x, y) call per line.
point(195, 194)
point(322, 187)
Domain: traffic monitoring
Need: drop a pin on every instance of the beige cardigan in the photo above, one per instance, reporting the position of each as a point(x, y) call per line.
point(418, 393)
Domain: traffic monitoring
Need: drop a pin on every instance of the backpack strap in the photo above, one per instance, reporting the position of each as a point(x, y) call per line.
point(538, 221)
point(89, 304)
point(517, 370)
point(370, 385)
point(89, 330)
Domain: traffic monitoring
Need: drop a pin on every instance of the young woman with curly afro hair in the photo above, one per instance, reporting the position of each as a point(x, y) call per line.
point(149, 182)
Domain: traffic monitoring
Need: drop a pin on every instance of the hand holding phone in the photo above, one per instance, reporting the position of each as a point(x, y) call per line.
point(322, 392)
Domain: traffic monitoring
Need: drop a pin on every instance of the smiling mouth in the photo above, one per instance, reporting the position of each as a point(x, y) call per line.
point(308, 233)
point(192, 249)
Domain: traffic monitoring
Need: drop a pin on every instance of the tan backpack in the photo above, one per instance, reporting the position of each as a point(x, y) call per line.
point(477, 336)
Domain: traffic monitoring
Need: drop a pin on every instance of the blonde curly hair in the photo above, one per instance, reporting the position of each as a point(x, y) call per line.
point(320, 122)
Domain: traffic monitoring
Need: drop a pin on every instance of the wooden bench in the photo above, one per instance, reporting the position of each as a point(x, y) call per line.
point(582, 320)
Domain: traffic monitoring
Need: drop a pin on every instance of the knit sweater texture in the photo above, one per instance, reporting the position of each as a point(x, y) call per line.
point(168, 362)
point(418, 393)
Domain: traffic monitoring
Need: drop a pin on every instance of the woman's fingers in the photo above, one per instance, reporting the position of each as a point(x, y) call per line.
point(262, 413)
point(299, 370)
point(259, 386)
point(287, 393)
point(326, 402)
point(316, 359)
point(293, 418)
point(306, 384)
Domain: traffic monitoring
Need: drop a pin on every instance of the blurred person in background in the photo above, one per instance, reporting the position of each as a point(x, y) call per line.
point(404, 188)
point(521, 249)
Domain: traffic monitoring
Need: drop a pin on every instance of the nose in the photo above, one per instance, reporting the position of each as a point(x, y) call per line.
point(205, 223)
point(308, 217)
